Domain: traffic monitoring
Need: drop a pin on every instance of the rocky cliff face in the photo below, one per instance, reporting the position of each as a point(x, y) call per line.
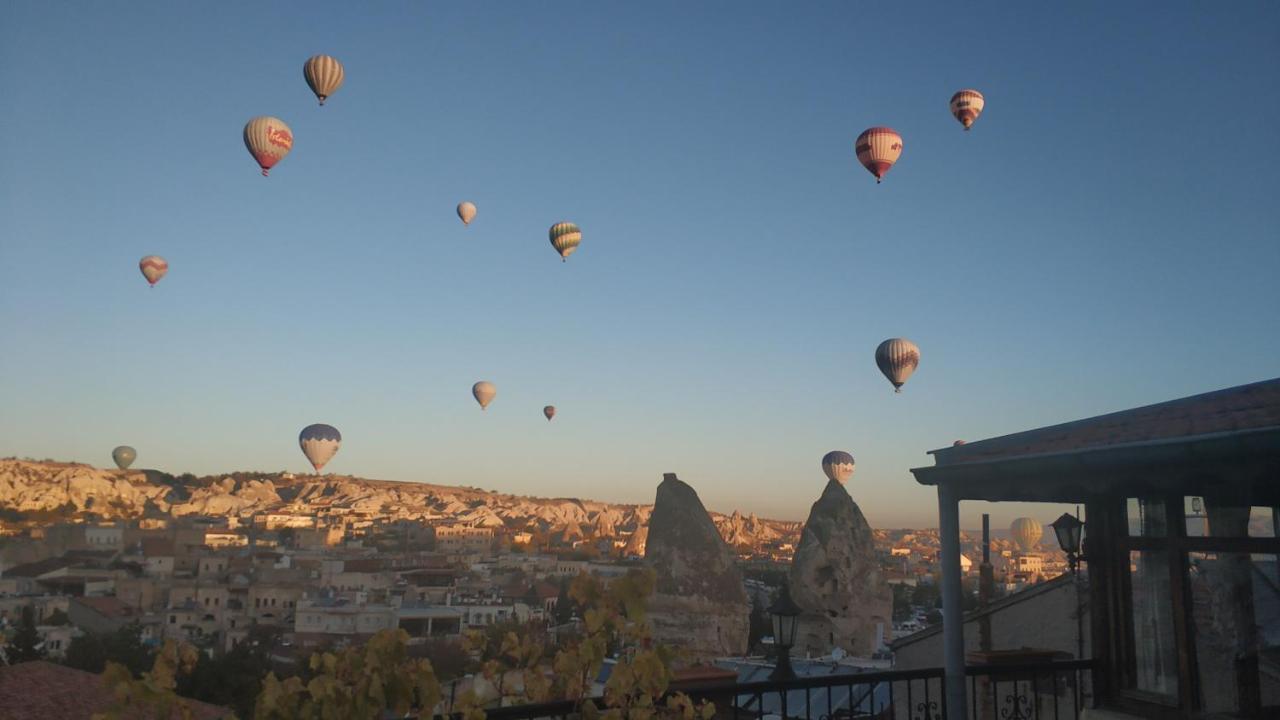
point(836, 579)
point(700, 604)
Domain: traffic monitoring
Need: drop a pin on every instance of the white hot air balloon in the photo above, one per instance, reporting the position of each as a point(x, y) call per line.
point(1026, 533)
point(319, 443)
point(484, 392)
point(897, 358)
point(466, 212)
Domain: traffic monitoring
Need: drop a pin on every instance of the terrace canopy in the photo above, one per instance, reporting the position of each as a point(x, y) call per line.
point(1180, 550)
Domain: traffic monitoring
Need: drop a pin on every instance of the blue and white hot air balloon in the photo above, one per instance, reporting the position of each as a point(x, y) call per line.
point(319, 443)
point(838, 466)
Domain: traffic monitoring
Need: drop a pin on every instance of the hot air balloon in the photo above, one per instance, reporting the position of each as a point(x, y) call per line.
point(324, 74)
point(467, 212)
point(319, 443)
point(153, 268)
point(967, 105)
point(124, 456)
point(1025, 533)
point(897, 358)
point(565, 238)
point(484, 392)
point(549, 411)
point(838, 466)
point(878, 149)
point(268, 140)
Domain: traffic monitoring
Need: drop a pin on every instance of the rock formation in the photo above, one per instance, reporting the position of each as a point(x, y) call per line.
point(836, 579)
point(700, 604)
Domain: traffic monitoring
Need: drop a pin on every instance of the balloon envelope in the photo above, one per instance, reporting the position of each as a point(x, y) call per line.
point(1026, 533)
point(967, 105)
point(838, 466)
point(324, 74)
point(153, 268)
point(484, 392)
point(549, 411)
point(268, 140)
point(319, 443)
point(124, 456)
point(466, 212)
point(878, 149)
point(897, 358)
point(565, 238)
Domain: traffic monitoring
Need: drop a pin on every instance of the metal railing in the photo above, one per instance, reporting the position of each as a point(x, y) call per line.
point(1044, 691)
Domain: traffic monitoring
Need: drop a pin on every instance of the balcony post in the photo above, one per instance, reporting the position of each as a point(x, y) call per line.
point(952, 602)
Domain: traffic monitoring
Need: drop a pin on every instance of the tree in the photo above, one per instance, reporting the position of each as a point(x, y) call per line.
point(90, 652)
point(358, 683)
point(759, 624)
point(57, 617)
point(22, 647)
point(153, 694)
point(901, 602)
point(234, 679)
point(564, 610)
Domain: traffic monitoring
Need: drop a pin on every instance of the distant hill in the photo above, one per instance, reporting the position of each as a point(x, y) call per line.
point(49, 490)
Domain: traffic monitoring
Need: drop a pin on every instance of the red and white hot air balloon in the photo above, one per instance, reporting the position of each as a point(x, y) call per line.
point(967, 105)
point(268, 140)
point(878, 149)
point(153, 268)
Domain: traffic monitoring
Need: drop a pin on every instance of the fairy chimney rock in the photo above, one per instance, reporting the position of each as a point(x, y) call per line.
point(700, 603)
point(836, 580)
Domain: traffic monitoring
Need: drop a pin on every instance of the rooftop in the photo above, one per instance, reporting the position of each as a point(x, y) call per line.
point(1234, 410)
point(1226, 442)
point(41, 690)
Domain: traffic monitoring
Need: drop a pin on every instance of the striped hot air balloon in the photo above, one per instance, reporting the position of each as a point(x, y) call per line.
point(124, 456)
point(1026, 533)
point(549, 411)
point(878, 149)
point(466, 212)
point(268, 140)
point(153, 268)
point(319, 443)
point(967, 105)
point(565, 238)
point(324, 74)
point(897, 358)
point(838, 466)
point(484, 392)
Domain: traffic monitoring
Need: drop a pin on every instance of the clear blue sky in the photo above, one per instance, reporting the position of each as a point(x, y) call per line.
point(1106, 236)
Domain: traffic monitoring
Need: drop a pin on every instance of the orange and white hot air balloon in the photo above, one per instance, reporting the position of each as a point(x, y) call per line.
point(484, 392)
point(967, 105)
point(878, 149)
point(324, 74)
point(466, 212)
point(897, 358)
point(268, 140)
point(153, 268)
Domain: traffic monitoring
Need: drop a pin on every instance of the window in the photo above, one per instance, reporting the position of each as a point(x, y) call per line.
point(1155, 656)
point(173, 619)
point(1236, 615)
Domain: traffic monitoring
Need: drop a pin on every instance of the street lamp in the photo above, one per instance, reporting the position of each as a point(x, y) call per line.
point(785, 613)
point(1068, 529)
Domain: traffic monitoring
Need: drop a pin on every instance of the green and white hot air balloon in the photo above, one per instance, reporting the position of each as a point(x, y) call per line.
point(565, 238)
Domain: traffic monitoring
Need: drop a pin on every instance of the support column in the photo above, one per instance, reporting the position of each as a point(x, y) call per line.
point(952, 602)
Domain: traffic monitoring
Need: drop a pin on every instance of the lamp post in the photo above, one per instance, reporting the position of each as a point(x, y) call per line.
point(1068, 529)
point(785, 614)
